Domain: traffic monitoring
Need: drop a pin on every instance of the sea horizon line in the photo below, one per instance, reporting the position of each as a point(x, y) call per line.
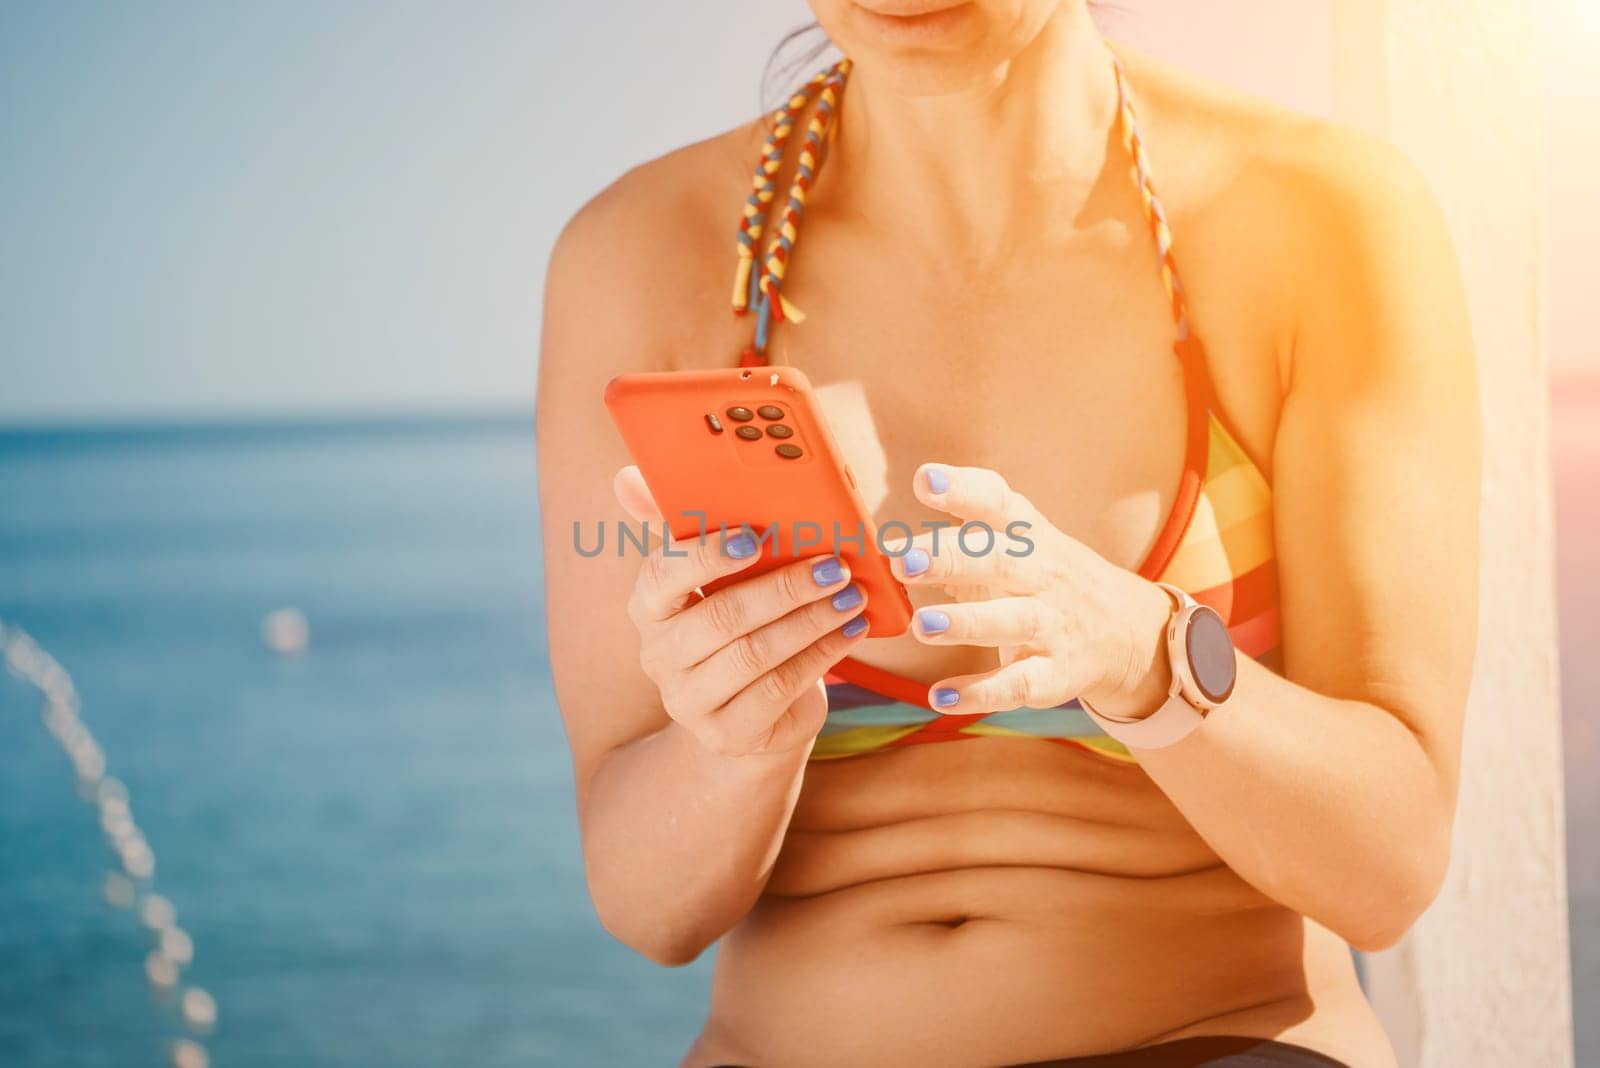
point(187, 426)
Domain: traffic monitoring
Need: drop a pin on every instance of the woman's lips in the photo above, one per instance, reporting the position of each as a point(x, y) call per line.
point(909, 8)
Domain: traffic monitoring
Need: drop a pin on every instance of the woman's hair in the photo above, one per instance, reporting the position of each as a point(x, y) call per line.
point(790, 61)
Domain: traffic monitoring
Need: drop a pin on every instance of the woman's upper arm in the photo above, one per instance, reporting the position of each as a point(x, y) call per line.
point(587, 337)
point(1376, 461)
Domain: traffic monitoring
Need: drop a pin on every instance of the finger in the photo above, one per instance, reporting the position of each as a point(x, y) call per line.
point(719, 677)
point(972, 493)
point(749, 715)
point(1026, 683)
point(973, 555)
point(634, 495)
point(673, 570)
point(737, 610)
point(1008, 621)
point(802, 718)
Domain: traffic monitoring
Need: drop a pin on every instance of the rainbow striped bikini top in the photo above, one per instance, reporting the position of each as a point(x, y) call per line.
point(1216, 543)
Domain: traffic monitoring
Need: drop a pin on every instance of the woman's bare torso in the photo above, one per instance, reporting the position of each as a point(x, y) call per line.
point(998, 901)
point(1005, 901)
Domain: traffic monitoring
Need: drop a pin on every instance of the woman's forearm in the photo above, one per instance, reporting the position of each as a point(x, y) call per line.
point(1332, 807)
point(679, 840)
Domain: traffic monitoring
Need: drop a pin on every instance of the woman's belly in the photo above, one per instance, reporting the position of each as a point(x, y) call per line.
point(1000, 901)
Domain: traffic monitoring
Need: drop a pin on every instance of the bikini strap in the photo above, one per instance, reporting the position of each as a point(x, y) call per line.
point(1154, 213)
point(763, 189)
point(762, 287)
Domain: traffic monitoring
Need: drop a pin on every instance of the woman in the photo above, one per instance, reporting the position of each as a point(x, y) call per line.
point(985, 216)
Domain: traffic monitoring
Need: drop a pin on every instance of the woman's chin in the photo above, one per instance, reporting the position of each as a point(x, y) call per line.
point(921, 72)
point(922, 48)
point(935, 25)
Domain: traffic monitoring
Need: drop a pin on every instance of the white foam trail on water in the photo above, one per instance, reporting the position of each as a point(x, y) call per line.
point(174, 950)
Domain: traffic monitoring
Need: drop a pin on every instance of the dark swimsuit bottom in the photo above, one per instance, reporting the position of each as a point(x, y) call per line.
point(1224, 1051)
point(1219, 1051)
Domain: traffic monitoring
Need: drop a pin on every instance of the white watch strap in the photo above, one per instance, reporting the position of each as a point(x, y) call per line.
point(1174, 721)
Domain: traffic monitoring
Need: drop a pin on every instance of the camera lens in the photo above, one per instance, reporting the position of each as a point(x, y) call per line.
point(770, 411)
point(740, 415)
point(779, 430)
point(749, 433)
point(788, 452)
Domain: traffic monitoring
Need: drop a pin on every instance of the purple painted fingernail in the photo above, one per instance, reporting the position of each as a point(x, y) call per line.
point(943, 698)
point(938, 480)
point(847, 598)
point(827, 572)
point(933, 622)
point(855, 626)
point(742, 547)
point(916, 561)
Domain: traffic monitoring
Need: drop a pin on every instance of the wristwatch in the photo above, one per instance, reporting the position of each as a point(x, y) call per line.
point(1203, 674)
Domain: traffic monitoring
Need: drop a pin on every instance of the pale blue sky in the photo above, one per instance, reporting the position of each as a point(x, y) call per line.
point(221, 208)
point(214, 209)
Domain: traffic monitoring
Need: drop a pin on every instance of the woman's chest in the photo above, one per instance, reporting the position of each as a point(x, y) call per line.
point(1056, 370)
point(1086, 417)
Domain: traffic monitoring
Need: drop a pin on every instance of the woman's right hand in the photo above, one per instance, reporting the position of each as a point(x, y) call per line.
point(741, 669)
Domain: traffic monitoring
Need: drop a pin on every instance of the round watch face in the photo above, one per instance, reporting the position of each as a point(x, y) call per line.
point(1210, 652)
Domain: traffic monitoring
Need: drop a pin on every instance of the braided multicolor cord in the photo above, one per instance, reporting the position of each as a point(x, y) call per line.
point(1154, 213)
point(811, 152)
point(762, 188)
point(764, 287)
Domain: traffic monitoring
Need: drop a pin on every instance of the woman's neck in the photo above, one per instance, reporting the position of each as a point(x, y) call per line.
point(978, 171)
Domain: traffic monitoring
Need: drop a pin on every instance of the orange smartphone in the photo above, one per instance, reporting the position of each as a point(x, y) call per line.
point(731, 448)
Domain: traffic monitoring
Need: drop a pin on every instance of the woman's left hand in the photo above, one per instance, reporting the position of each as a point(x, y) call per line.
point(1065, 621)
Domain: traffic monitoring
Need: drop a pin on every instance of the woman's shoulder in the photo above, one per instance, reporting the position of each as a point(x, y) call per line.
point(1311, 218)
point(675, 209)
point(1236, 142)
point(647, 256)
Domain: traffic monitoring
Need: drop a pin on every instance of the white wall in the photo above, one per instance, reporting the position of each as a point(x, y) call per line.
point(1571, 61)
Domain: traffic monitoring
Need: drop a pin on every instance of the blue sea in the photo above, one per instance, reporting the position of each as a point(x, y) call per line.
point(373, 845)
